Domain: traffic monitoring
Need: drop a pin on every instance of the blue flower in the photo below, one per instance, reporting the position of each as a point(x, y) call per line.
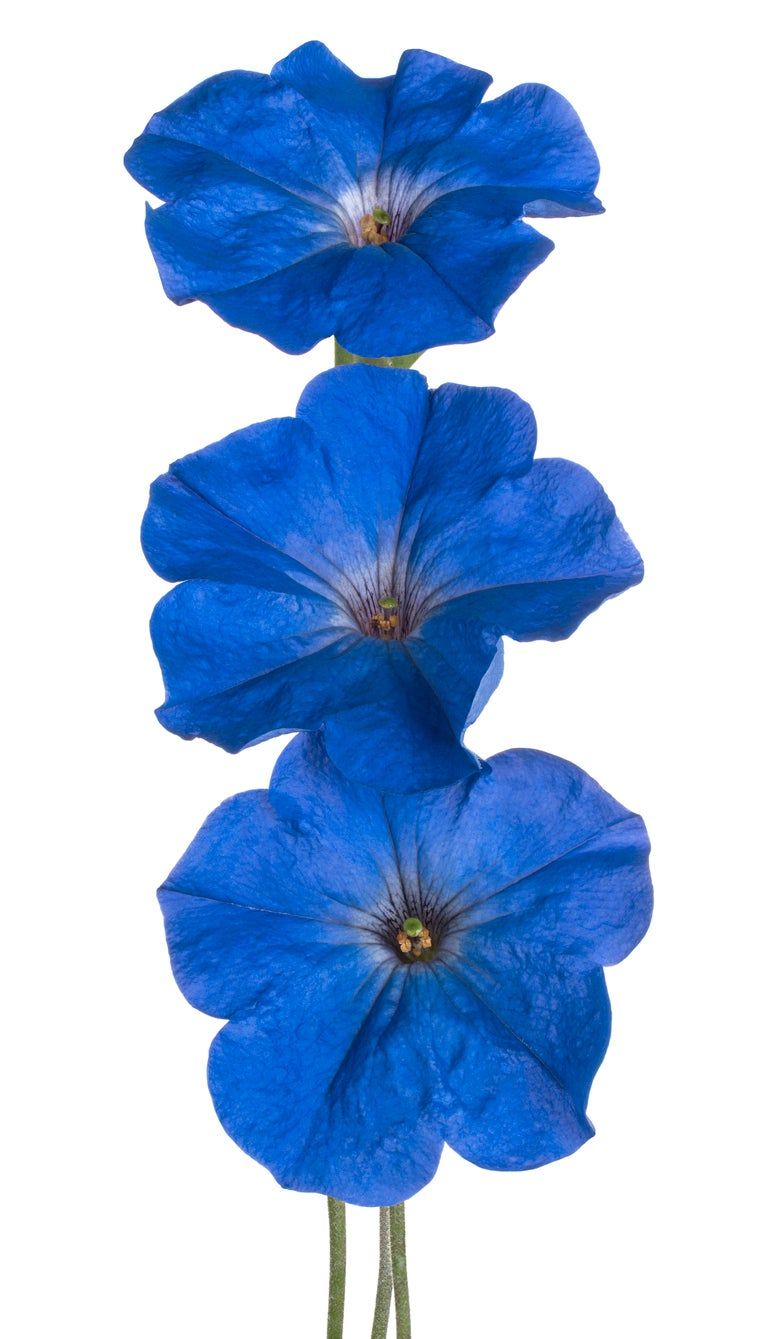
point(356, 567)
point(404, 971)
point(310, 202)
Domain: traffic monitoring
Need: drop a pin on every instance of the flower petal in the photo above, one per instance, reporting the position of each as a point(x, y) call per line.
point(324, 1083)
point(463, 659)
point(213, 516)
point(403, 740)
point(292, 308)
point(513, 1083)
point(534, 851)
point(530, 138)
point(231, 234)
point(554, 551)
point(389, 302)
point(478, 441)
point(234, 903)
point(242, 664)
point(430, 98)
point(317, 499)
point(349, 112)
point(269, 872)
point(266, 126)
point(368, 424)
point(473, 240)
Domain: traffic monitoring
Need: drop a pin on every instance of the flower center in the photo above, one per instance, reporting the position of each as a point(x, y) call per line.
point(374, 228)
point(389, 610)
point(385, 621)
point(414, 941)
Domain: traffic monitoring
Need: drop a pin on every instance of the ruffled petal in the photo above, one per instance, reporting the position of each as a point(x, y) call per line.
point(473, 240)
point(317, 499)
point(214, 514)
point(241, 664)
point(233, 234)
point(530, 138)
point(513, 1082)
point(532, 850)
point(265, 125)
point(273, 871)
point(350, 112)
point(292, 308)
point(478, 443)
point(367, 424)
point(389, 302)
point(430, 98)
point(534, 558)
point(403, 740)
point(239, 897)
point(464, 659)
point(325, 1082)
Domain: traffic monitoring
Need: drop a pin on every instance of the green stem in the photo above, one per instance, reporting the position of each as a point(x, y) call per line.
point(342, 356)
point(397, 1235)
point(336, 1210)
point(384, 1287)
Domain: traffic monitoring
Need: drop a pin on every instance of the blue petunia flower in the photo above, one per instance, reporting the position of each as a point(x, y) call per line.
point(357, 565)
point(404, 971)
point(310, 202)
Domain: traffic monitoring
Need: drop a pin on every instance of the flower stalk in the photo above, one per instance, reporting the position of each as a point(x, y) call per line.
point(336, 1211)
point(384, 1287)
point(343, 357)
point(397, 1238)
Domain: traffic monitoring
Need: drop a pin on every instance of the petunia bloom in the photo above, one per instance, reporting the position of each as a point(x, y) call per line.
point(356, 566)
point(311, 202)
point(404, 971)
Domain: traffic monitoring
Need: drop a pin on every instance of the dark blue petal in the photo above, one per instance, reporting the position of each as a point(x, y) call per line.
point(368, 424)
point(231, 235)
point(294, 308)
point(317, 499)
point(263, 125)
point(326, 1082)
point(534, 558)
point(389, 301)
point(235, 902)
point(530, 138)
point(430, 99)
point(210, 516)
point(267, 874)
point(463, 659)
point(473, 240)
point(513, 1082)
point(349, 112)
point(479, 441)
point(403, 739)
point(533, 850)
point(241, 664)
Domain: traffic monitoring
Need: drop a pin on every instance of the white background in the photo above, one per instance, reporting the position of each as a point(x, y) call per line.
point(646, 344)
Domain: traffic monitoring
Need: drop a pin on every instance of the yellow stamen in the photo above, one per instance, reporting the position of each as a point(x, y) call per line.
point(414, 944)
point(373, 232)
point(385, 625)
